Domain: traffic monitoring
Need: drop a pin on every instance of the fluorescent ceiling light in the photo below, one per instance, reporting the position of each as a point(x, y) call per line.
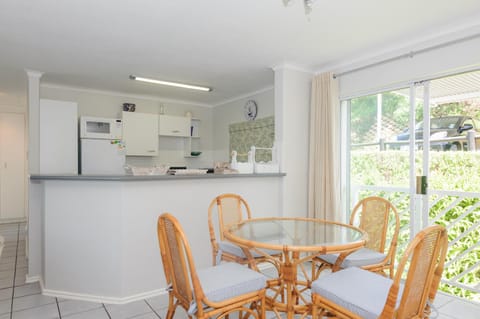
point(168, 83)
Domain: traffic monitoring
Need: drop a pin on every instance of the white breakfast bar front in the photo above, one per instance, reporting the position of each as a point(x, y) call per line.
point(95, 238)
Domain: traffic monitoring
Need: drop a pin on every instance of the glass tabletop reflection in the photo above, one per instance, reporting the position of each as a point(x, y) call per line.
point(299, 234)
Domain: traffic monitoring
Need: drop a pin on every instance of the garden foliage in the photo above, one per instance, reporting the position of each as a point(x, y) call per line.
point(459, 212)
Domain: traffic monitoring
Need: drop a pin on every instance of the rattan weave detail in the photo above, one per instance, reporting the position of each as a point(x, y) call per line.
point(379, 218)
point(423, 262)
point(185, 286)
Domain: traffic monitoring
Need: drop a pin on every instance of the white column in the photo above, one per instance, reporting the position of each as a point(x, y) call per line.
point(33, 121)
point(35, 191)
point(292, 113)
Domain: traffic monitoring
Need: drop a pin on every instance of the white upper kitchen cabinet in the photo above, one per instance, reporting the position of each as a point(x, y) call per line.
point(58, 137)
point(140, 133)
point(12, 166)
point(169, 125)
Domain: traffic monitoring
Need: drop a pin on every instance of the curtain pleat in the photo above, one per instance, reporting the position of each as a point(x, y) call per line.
point(324, 150)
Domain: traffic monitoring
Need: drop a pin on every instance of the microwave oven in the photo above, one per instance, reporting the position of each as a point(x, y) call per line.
point(100, 128)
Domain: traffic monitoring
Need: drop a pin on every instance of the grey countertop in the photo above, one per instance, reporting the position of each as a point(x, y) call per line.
point(127, 178)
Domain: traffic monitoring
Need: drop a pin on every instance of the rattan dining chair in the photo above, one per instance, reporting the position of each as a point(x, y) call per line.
point(211, 292)
point(357, 293)
point(373, 215)
point(228, 209)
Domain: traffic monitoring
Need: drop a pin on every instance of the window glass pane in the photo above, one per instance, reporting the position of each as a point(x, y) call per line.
point(379, 139)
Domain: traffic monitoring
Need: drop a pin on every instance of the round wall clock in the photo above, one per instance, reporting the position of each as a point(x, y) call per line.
point(250, 110)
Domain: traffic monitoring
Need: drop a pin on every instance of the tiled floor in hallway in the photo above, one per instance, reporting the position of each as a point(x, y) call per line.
point(19, 300)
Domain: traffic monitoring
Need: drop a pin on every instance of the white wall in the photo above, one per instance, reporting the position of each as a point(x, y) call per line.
point(11, 108)
point(105, 104)
point(9, 101)
point(292, 109)
point(233, 112)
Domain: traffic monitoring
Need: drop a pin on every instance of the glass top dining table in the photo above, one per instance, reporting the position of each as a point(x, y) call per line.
point(298, 241)
point(297, 234)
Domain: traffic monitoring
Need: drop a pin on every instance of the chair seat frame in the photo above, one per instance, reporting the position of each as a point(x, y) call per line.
point(388, 263)
point(184, 284)
point(411, 306)
point(217, 202)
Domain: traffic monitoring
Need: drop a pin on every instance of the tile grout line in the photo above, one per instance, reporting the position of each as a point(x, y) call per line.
point(154, 311)
point(58, 308)
point(105, 308)
point(14, 271)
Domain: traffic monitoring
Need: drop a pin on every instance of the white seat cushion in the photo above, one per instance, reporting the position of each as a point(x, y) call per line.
point(233, 249)
point(228, 280)
point(360, 291)
point(359, 258)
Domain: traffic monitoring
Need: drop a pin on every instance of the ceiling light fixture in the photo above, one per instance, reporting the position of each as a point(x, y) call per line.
point(168, 83)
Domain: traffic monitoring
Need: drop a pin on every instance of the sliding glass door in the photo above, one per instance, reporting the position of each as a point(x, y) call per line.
point(453, 197)
point(417, 147)
point(378, 154)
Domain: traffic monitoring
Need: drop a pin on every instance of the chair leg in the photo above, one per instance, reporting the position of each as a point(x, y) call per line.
point(314, 310)
point(171, 312)
point(172, 306)
point(263, 313)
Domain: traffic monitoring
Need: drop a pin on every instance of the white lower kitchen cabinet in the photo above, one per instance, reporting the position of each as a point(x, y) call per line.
point(140, 133)
point(12, 166)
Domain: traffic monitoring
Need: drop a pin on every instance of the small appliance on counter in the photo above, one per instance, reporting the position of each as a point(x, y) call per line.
point(102, 151)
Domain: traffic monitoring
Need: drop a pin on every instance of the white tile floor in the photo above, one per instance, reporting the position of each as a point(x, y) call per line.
point(19, 300)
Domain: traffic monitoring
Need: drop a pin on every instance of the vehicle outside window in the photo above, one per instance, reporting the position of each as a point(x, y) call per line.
point(444, 127)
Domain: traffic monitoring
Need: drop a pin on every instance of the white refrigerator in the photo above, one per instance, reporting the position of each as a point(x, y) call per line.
point(102, 157)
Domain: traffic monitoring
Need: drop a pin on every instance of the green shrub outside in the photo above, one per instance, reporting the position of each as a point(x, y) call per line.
point(450, 171)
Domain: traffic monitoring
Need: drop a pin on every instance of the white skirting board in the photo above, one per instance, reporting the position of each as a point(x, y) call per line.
point(103, 299)
point(32, 279)
point(94, 298)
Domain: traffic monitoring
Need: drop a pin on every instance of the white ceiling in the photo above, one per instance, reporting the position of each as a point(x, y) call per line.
point(230, 45)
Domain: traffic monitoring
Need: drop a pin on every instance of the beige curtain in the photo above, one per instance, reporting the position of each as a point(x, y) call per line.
point(324, 151)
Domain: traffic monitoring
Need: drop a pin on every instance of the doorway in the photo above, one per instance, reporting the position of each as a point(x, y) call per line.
point(12, 167)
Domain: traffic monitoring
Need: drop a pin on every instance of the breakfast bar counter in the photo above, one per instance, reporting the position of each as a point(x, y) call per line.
point(146, 177)
point(94, 237)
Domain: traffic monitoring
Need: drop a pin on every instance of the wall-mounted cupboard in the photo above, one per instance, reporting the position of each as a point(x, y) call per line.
point(140, 133)
point(169, 125)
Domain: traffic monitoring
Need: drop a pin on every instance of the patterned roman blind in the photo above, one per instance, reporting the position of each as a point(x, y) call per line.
point(258, 133)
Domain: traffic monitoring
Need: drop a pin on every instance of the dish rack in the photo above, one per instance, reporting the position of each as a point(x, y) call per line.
point(142, 171)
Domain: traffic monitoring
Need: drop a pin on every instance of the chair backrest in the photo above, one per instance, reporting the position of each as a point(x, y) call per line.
point(373, 215)
point(231, 209)
point(423, 257)
point(178, 261)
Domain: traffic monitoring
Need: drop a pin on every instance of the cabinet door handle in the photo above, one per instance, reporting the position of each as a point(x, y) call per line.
point(151, 151)
point(175, 131)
